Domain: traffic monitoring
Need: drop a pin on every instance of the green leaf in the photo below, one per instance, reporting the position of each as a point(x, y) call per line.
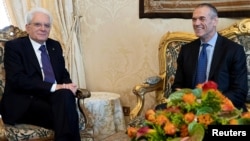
point(176, 96)
point(197, 92)
point(186, 90)
point(211, 100)
point(174, 139)
point(204, 110)
point(230, 115)
point(244, 121)
point(196, 131)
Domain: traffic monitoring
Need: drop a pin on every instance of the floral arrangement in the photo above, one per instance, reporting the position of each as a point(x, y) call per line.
point(187, 115)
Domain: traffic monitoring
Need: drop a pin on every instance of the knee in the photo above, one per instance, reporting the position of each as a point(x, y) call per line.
point(64, 94)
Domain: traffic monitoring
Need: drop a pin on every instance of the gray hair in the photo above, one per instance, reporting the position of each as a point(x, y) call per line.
point(30, 14)
point(214, 11)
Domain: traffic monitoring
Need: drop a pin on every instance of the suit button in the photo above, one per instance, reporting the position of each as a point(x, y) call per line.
point(31, 97)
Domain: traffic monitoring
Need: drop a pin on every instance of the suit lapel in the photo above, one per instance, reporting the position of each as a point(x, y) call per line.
point(53, 56)
point(194, 59)
point(218, 54)
point(31, 54)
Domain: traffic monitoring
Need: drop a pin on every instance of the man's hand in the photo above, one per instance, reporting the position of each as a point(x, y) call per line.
point(70, 86)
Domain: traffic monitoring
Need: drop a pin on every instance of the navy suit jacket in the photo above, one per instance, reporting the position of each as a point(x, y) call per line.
point(228, 69)
point(24, 80)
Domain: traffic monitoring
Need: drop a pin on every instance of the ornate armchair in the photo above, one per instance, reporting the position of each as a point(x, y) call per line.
point(30, 132)
point(169, 48)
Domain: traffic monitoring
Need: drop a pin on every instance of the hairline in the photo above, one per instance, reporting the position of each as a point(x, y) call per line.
point(32, 12)
point(213, 10)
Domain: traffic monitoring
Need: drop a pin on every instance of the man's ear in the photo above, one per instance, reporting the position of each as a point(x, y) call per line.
point(215, 21)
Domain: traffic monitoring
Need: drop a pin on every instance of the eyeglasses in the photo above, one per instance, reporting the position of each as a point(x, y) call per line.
point(39, 25)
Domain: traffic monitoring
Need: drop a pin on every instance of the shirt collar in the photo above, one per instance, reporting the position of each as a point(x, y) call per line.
point(35, 44)
point(212, 41)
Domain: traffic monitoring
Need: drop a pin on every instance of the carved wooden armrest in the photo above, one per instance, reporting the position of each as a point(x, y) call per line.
point(81, 94)
point(150, 84)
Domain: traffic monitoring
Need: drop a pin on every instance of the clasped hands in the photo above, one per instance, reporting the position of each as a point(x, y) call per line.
point(70, 86)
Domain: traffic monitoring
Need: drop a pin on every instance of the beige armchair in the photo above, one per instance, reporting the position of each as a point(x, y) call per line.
point(169, 48)
point(30, 132)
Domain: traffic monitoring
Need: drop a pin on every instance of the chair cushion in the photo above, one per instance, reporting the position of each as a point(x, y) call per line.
point(26, 132)
point(152, 80)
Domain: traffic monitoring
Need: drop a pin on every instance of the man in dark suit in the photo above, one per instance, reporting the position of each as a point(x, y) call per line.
point(28, 97)
point(226, 60)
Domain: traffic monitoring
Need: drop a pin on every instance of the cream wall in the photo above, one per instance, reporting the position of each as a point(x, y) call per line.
point(120, 50)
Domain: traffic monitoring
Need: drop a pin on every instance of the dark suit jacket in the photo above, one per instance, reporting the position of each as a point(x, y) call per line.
point(228, 69)
point(24, 79)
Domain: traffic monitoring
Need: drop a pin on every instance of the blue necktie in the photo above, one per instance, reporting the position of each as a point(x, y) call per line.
point(202, 65)
point(46, 66)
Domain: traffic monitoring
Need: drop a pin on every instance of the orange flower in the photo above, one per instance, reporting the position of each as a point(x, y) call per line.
point(189, 117)
point(184, 130)
point(189, 98)
point(131, 131)
point(199, 86)
point(151, 118)
point(233, 122)
point(150, 115)
point(149, 112)
point(245, 115)
point(205, 119)
point(169, 128)
point(227, 105)
point(161, 119)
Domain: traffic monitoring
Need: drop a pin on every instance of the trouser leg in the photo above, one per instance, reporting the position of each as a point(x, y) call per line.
point(66, 124)
point(38, 113)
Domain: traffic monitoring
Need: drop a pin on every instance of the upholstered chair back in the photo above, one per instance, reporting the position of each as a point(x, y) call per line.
point(8, 33)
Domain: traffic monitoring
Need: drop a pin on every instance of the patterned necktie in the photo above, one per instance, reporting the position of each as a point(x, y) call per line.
point(46, 66)
point(202, 65)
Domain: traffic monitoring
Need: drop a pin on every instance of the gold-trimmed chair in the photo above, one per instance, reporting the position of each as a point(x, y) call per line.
point(169, 48)
point(26, 132)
